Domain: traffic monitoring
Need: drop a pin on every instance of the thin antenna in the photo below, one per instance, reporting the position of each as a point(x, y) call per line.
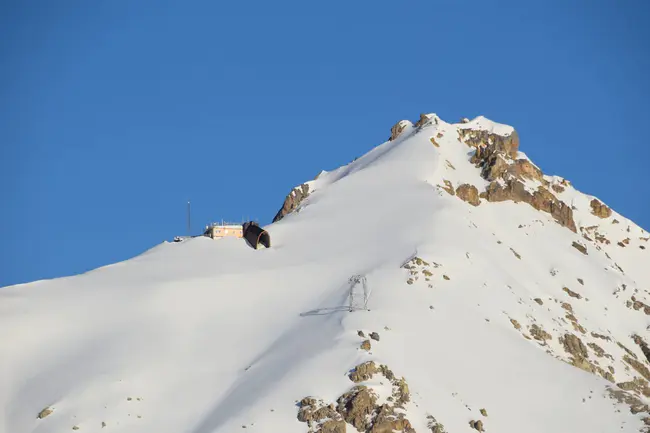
point(189, 219)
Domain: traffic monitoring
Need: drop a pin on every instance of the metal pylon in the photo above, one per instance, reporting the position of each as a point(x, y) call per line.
point(358, 300)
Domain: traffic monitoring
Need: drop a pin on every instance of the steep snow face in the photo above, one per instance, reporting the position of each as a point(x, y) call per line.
point(475, 307)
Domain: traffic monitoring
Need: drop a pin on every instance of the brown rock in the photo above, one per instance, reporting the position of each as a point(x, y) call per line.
point(397, 129)
point(45, 413)
point(599, 209)
point(356, 406)
point(448, 187)
point(600, 352)
point(292, 201)
point(332, 426)
point(539, 301)
point(523, 168)
point(572, 293)
point(515, 324)
point(578, 246)
point(363, 372)
point(366, 345)
point(477, 425)
point(539, 334)
point(557, 188)
point(542, 199)
point(495, 143)
point(424, 119)
point(468, 193)
point(639, 367)
point(643, 345)
point(484, 412)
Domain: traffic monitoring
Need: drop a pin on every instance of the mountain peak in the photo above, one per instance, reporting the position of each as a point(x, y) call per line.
point(440, 282)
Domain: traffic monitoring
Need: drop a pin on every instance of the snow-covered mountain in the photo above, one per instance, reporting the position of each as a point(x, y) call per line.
point(498, 299)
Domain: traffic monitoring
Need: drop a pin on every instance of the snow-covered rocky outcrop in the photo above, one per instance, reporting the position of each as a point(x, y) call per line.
point(501, 299)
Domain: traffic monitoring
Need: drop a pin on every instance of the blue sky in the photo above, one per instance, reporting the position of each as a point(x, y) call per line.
point(115, 113)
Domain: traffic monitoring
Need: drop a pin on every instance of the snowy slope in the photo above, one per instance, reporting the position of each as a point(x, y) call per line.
point(209, 336)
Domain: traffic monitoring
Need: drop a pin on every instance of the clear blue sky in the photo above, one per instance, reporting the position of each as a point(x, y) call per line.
point(114, 113)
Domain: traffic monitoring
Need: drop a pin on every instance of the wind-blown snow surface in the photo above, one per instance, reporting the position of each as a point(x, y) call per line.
point(211, 336)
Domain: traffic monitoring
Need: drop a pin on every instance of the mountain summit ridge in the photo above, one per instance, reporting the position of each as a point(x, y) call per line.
point(499, 299)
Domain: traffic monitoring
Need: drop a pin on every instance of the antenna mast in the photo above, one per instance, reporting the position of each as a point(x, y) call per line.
point(189, 225)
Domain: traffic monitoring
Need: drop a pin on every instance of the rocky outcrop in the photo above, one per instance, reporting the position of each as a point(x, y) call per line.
point(424, 119)
point(292, 201)
point(578, 351)
point(600, 209)
point(468, 193)
point(487, 140)
point(496, 157)
point(397, 129)
point(358, 406)
point(542, 199)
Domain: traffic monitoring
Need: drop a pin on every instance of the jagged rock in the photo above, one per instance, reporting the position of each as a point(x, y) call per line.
point(637, 385)
point(361, 334)
point(477, 425)
point(387, 422)
point(574, 346)
point(464, 120)
point(363, 372)
point(292, 201)
point(539, 301)
point(539, 334)
point(523, 168)
point(366, 345)
point(541, 199)
point(402, 394)
point(397, 129)
point(571, 293)
point(374, 336)
point(600, 209)
point(515, 324)
point(45, 413)
point(638, 305)
point(424, 118)
point(332, 426)
point(388, 374)
point(356, 406)
point(601, 336)
point(567, 306)
point(485, 139)
point(557, 188)
point(600, 352)
point(638, 366)
point(635, 404)
point(448, 187)
point(468, 193)
point(578, 246)
point(483, 412)
point(493, 166)
point(643, 345)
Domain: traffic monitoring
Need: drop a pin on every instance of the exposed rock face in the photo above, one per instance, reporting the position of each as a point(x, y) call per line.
point(397, 129)
point(363, 372)
point(356, 406)
point(579, 247)
point(45, 412)
point(292, 201)
point(468, 193)
point(599, 209)
point(574, 346)
point(496, 156)
point(424, 119)
point(484, 139)
point(542, 199)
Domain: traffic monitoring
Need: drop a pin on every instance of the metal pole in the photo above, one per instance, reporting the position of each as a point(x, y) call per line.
point(189, 224)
